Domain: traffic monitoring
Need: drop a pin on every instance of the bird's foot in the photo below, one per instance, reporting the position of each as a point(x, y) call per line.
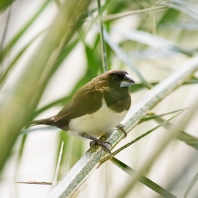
point(96, 141)
point(121, 128)
point(101, 143)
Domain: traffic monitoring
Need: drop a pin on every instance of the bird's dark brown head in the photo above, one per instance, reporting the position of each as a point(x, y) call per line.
point(115, 79)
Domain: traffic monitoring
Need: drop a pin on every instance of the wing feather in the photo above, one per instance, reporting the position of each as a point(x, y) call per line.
point(79, 106)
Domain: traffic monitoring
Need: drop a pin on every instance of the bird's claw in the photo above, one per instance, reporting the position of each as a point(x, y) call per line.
point(121, 128)
point(96, 141)
point(102, 144)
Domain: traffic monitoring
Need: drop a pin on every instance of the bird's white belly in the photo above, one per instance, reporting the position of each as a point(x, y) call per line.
point(97, 123)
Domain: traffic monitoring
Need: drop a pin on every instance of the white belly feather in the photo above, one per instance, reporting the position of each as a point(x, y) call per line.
point(96, 124)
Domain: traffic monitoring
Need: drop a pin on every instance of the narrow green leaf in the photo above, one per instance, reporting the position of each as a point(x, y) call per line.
point(137, 139)
point(180, 26)
point(63, 101)
point(153, 41)
point(188, 139)
point(102, 41)
point(151, 115)
point(58, 3)
point(66, 51)
point(92, 71)
point(192, 183)
point(18, 35)
point(5, 3)
point(148, 53)
point(5, 30)
point(120, 53)
point(93, 60)
point(186, 7)
point(60, 101)
point(24, 138)
point(38, 129)
point(60, 155)
point(124, 14)
point(63, 137)
point(139, 86)
point(152, 185)
point(16, 58)
point(189, 82)
point(72, 151)
point(20, 153)
point(182, 136)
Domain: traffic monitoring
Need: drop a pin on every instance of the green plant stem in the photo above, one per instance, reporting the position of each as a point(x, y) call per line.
point(102, 41)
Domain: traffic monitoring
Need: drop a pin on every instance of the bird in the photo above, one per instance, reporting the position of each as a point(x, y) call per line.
point(96, 108)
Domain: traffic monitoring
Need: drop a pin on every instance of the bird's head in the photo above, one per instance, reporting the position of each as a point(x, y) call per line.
point(118, 79)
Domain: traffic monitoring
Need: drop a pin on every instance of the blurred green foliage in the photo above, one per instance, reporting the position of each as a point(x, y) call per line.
point(5, 3)
point(149, 47)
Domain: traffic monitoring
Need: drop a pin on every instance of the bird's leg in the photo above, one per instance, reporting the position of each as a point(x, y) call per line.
point(121, 127)
point(97, 142)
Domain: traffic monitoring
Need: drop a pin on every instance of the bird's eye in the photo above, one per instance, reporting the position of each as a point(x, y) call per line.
point(115, 78)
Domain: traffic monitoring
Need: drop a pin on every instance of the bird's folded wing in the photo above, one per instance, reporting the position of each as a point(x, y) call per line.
point(85, 101)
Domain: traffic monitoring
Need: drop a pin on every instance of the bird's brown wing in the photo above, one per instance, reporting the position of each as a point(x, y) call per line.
point(85, 101)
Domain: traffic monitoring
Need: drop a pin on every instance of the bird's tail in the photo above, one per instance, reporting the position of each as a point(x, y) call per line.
point(46, 121)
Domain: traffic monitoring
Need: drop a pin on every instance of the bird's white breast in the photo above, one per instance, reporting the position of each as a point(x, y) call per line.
point(97, 123)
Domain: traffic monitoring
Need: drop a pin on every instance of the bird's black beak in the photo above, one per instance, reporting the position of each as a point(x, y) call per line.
point(127, 81)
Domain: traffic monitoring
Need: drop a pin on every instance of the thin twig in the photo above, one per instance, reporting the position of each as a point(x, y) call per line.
point(102, 41)
point(33, 182)
point(54, 182)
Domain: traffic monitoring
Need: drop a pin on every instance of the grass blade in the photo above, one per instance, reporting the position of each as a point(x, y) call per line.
point(20, 53)
point(54, 182)
point(102, 41)
point(151, 115)
point(153, 41)
point(182, 136)
point(89, 74)
point(125, 59)
point(5, 4)
point(124, 14)
point(139, 86)
point(137, 139)
point(186, 7)
point(152, 185)
point(192, 183)
point(18, 35)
